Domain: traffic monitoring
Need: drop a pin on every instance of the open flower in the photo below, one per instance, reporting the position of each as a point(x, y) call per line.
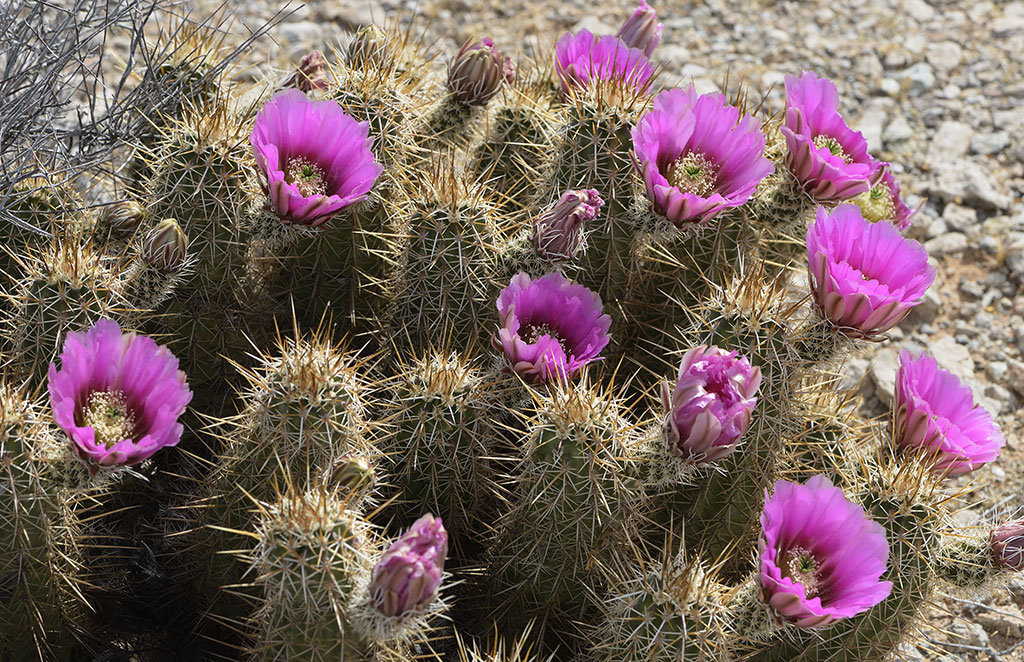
point(884, 203)
point(937, 414)
point(583, 57)
point(829, 159)
point(865, 276)
point(642, 29)
point(406, 579)
point(314, 160)
point(117, 395)
point(697, 156)
point(820, 556)
point(711, 405)
point(550, 327)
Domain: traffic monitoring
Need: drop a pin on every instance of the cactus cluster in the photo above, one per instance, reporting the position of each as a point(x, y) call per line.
point(494, 362)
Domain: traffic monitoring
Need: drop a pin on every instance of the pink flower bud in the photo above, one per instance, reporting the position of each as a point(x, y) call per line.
point(641, 30)
point(408, 576)
point(476, 73)
point(165, 246)
point(558, 231)
point(311, 74)
point(1007, 544)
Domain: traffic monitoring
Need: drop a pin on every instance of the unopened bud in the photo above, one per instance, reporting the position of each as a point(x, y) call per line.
point(408, 576)
point(311, 74)
point(477, 71)
point(121, 218)
point(641, 30)
point(368, 47)
point(352, 474)
point(165, 246)
point(558, 231)
point(1006, 543)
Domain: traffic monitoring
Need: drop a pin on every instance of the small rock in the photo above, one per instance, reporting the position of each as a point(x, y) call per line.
point(959, 217)
point(890, 87)
point(872, 120)
point(897, 131)
point(953, 357)
point(919, 10)
point(677, 58)
point(594, 24)
point(950, 141)
point(854, 372)
point(353, 14)
point(966, 182)
point(944, 56)
point(918, 78)
point(997, 399)
point(1007, 26)
point(883, 374)
point(989, 143)
point(926, 311)
point(951, 242)
point(969, 633)
point(997, 370)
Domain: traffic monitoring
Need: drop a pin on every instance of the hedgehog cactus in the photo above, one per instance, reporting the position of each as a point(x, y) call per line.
point(487, 275)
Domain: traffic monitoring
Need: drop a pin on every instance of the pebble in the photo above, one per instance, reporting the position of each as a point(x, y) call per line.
point(945, 56)
point(897, 131)
point(989, 143)
point(950, 141)
point(883, 374)
point(951, 242)
point(918, 79)
point(958, 216)
point(966, 182)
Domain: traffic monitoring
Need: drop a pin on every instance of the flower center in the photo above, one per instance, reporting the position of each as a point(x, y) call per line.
point(307, 177)
point(832, 145)
point(532, 332)
point(693, 173)
point(108, 414)
point(877, 204)
point(800, 565)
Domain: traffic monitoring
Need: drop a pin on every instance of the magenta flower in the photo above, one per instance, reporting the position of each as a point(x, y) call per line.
point(820, 556)
point(406, 579)
point(884, 203)
point(697, 156)
point(550, 327)
point(1006, 543)
point(865, 276)
point(936, 413)
point(829, 159)
point(558, 231)
point(314, 160)
point(583, 57)
point(117, 396)
point(712, 404)
point(642, 29)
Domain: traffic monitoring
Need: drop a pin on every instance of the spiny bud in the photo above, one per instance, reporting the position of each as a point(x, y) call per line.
point(558, 231)
point(641, 30)
point(476, 73)
point(352, 474)
point(368, 47)
point(1007, 545)
point(311, 74)
point(121, 217)
point(165, 246)
point(408, 576)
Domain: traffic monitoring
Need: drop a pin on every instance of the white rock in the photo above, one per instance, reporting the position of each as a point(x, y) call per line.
point(989, 143)
point(951, 242)
point(945, 56)
point(595, 25)
point(897, 131)
point(965, 182)
point(883, 374)
point(918, 78)
point(959, 217)
point(951, 140)
point(919, 10)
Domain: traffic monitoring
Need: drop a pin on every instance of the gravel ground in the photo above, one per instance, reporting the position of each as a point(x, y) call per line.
point(935, 86)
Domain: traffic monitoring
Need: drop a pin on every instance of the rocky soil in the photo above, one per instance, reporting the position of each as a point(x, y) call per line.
point(936, 86)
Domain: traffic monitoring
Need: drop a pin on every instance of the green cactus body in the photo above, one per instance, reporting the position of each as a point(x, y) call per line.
point(440, 434)
point(38, 611)
point(570, 507)
point(965, 562)
point(36, 207)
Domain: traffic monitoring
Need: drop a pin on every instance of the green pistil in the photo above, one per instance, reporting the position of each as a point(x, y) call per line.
point(800, 565)
point(307, 177)
point(107, 413)
point(877, 204)
point(833, 146)
point(693, 173)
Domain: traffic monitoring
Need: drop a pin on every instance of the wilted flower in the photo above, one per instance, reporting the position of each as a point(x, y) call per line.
point(476, 73)
point(1006, 542)
point(865, 276)
point(165, 246)
point(711, 405)
point(883, 203)
point(408, 576)
point(558, 231)
point(697, 156)
point(117, 395)
point(937, 414)
point(314, 159)
point(583, 57)
point(820, 556)
point(642, 29)
point(829, 159)
point(311, 74)
point(550, 327)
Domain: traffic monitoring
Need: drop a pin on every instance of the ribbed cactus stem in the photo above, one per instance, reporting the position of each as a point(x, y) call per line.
point(748, 617)
point(156, 271)
point(966, 562)
point(818, 342)
point(781, 209)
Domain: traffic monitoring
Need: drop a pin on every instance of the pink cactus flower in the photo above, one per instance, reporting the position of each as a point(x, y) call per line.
point(117, 396)
point(408, 576)
point(821, 557)
point(698, 156)
point(550, 327)
point(937, 414)
point(711, 405)
point(582, 57)
point(865, 276)
point(829, 159)
point(884, 203)
point(558, 231)
point(314, 160)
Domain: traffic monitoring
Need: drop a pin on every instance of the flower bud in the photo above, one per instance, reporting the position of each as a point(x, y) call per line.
point(408, 576)
point(1006, 543)
point(476, 73)
point(121, 218)
point(711, 405)
point(368, 47)
point(165, 246)
point(311, 74)
point(641, 30)
point(558, 231)
point(352, 474)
